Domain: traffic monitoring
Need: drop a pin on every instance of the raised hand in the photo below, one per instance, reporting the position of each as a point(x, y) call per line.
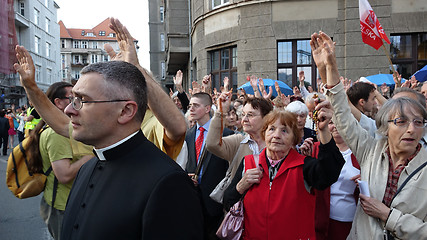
point(268, 95)
point(307, 147)
point(301, 77)
point(206, 83)
point(25, 67)
point(323, 49)
point(226, 84)
point(196, 87)
point(397, 79)
point(127, 48)
point(276, 86)
point(254, 84)
point(225, 99)
point(177, 80)
point(414, 82)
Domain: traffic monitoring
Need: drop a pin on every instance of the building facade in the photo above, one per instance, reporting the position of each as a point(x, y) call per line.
point(83, 46)
point(38, 32)
point(270, 38)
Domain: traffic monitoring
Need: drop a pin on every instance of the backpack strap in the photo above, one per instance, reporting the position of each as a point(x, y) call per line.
point(55, 189)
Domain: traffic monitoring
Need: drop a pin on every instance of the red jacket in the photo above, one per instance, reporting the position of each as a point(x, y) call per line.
point(286, 211)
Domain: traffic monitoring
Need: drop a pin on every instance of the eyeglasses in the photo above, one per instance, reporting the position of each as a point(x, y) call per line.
point(403, 122)
point(77, 102)
point(249, 115)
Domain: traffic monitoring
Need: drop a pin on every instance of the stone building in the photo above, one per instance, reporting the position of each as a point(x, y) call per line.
point(270, 38)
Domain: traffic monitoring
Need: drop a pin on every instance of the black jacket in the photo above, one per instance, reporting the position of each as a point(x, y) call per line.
point(137, 193)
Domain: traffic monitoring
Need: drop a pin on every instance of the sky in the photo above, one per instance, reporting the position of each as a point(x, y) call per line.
point(89, 13)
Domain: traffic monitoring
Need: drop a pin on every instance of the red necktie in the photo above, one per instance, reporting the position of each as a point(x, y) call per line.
point(199, 143)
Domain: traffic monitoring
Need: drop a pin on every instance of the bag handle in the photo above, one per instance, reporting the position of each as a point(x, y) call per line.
point(408, 178)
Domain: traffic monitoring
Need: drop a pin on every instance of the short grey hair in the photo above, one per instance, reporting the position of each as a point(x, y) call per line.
point(297, 107)
point(122, 81)
point(395, 107)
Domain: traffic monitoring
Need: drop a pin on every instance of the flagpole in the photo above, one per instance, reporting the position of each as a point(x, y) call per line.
point(391, 64)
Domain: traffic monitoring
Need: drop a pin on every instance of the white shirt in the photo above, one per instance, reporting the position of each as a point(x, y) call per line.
point(100, 152)
point(342, 202)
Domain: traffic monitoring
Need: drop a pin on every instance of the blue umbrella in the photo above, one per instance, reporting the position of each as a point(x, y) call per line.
point(421, 75)
point(379, 79)
point(284, 88)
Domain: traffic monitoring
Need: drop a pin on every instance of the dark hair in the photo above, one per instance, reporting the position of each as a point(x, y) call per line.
point(261, 104)
point(359, 90)
point(287, 119)
point(123, 80)
point(206, 98)
point(2, 113)
point(35, 161)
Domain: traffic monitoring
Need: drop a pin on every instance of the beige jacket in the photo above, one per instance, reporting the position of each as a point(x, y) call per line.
point(409, 208)
point(231, 149)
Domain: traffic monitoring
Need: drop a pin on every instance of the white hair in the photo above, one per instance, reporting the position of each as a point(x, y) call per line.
point(297, 107)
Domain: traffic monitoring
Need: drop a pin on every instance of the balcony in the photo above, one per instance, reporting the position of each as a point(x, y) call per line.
point(79, 64)
point(21, 21)
point(178, 53)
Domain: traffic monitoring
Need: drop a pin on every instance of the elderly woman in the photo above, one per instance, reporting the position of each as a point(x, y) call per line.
point(301, 111)
point(279, 202)
point(235, 147)
point(385, 163)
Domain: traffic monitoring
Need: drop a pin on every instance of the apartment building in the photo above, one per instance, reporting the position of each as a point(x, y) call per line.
point(83, 46)
point(270, 38)
point(37, 30)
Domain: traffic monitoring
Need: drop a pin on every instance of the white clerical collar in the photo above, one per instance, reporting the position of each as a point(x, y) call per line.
point(100, 152)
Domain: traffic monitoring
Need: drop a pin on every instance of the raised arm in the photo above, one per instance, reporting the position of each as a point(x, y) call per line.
point(158, 100)
point(230, 144)
point(54, 117)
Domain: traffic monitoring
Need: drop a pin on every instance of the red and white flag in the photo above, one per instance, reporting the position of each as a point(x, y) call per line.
point(372, 31)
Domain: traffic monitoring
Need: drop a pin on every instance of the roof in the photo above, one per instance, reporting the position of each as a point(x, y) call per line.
point(101, 31)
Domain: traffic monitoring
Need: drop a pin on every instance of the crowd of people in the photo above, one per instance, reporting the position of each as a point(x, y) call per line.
point(169, 167)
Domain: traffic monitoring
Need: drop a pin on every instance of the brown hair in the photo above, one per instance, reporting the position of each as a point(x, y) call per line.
point(287, 119)
point(261, 104)
point(35, 161)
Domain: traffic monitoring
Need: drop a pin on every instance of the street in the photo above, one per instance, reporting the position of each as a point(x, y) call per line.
point(19, 218)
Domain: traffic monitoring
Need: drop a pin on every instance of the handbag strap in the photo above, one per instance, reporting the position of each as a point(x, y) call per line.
point(408, 178)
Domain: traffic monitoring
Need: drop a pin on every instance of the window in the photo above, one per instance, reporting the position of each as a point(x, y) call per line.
point(217, 3)
point(292, 57)
point(76, 59)
point(105, 58)
point(46, 3)
point(101, 33)
point(112, 35)
point(162, 14)
point(95, 45)
point(408, 53)
point(224, 64)
point(48, 25)
point(84, 59)
point(38, 72)
point(163, 71)
point(89, 34)
point(36, 44)
point(62, 43)
point(94, 58)
point(48, 49)
point(36, 16)
point(49, 75)
point(22, 8)
point(63, 59)
point(84, 44)
point(76, 74)
point(64, 73)
point(76, 44)
point(162, 41)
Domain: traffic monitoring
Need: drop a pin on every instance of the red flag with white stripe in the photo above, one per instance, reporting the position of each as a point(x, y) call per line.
point(372, 31)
